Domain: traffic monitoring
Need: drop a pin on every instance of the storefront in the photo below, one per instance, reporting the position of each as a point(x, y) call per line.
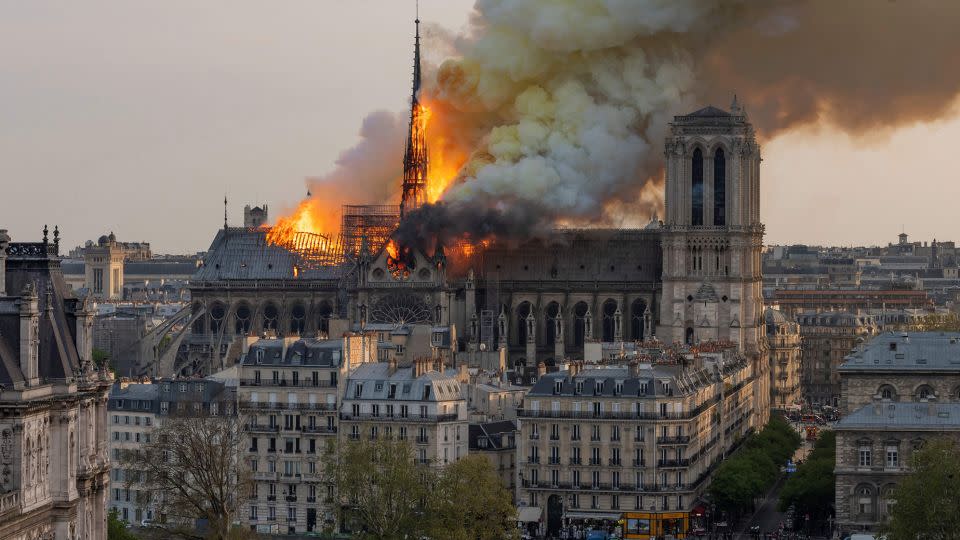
point(647, 525)
point(529, 519)
point(578, 523)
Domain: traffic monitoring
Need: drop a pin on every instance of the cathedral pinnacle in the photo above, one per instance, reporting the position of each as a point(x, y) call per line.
point(415, 159)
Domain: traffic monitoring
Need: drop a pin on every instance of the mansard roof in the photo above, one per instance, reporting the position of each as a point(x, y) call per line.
point(909, 351)
point(36, 265)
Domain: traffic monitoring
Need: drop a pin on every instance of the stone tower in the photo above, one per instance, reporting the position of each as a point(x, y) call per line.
point(104, 269)
point(712, 237)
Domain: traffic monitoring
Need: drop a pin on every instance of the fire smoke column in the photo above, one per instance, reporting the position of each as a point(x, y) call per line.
point(415, 159)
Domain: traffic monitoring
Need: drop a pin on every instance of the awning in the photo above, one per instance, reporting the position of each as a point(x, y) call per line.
point(592, 515)
point(528, 514)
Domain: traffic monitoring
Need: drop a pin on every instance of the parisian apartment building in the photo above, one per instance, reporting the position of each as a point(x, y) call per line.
point(289, 394)
point(597, 441)
point(898, 391)
point(422, 403)
point(135, 410)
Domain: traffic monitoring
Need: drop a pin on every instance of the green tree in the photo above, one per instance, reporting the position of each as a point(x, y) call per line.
point(927, 499)
point(100, 356)
point(471, 503)
point(116, 528)
point(811, 489)
point(382, 491)
point(750, 472)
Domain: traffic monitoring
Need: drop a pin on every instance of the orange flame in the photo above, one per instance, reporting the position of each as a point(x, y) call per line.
point(309, 217)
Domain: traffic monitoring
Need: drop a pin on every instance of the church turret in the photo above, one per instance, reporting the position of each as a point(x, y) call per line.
point(416, 157)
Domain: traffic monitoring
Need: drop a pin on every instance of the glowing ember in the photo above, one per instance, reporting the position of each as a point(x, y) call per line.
point(400, 261)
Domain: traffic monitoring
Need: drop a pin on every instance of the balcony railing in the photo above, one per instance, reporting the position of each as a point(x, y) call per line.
point(639, 463)
point(319, 429)
point(303, 383)
point(407, 419)
point(422, 440)
point(279, 405)
point(678, 439)
point(621, 487)
point(673, 462)
point(257, 428)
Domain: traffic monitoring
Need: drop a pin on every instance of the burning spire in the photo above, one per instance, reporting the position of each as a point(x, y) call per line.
point(415, 159)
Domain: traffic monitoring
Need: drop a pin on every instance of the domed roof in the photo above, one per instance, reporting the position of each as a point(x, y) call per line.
point(774, 316)
point(102, 240)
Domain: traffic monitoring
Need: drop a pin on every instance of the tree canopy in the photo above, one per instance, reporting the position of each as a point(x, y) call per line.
point(384, 493)
point(810, 490)
point(928, 498)
point(748, 473)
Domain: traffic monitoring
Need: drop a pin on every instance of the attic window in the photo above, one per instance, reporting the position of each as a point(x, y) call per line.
point(579, 387)
point(557, 386)
point(893, 346)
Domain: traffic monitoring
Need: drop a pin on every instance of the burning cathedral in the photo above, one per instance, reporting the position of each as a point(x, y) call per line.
point(570, 294)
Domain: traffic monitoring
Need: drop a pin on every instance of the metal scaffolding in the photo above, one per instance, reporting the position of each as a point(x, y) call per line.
point(376, 222)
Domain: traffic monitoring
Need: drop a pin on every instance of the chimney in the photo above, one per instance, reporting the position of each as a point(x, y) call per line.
point(4, 242)
point(392, 365)
point(634, 369)
point(541, 369)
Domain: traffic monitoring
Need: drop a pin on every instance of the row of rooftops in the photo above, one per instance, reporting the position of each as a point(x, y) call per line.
point(639, 379)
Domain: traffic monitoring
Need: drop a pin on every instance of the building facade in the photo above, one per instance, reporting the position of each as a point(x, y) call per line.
point(826, 339)
point(103, 265)
point(423, 404)
point(783, 339)
point(899, 390)
point(289, 393)
point(594, 442)
point(53, 448)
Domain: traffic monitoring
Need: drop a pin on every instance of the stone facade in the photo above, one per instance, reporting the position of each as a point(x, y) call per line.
point(103, 265)
point(898, 390)
point(783, 338)
point(594, 442)
point(826, 339)
point(54, 468)
point(290, 393)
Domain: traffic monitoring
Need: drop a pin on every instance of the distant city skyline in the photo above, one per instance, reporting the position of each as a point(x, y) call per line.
point(138, 120)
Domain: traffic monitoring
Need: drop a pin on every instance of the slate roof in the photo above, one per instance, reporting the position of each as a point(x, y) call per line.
point(58, 357)
point(910, 351)
point(244, 254)
point(897, 415)
point(607, 378)
point(496, 433)
point(303, 352)
point(376, 380)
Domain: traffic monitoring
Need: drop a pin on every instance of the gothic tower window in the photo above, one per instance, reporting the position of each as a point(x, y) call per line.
point(696, 191)
point(719, 189)
point(550, 325)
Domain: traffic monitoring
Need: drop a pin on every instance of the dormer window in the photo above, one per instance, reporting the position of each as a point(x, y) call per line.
point(618, 389)
point(598, 388)
point(358, 390)
point(579, 387)
point(557, 386)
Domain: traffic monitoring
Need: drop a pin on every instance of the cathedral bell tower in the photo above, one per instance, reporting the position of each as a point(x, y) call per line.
point(712, 237)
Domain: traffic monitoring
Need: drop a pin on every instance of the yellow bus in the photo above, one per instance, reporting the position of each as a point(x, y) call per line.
point(646, 525)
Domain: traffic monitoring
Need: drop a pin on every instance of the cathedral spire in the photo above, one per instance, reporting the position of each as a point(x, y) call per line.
point(416, 158)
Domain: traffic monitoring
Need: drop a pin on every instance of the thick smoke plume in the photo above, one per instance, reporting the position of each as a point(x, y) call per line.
point(559, 108)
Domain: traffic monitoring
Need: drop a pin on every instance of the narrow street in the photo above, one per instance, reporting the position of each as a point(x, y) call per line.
point(767, 516)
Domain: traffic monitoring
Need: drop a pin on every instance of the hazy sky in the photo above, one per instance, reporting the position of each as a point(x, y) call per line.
point(137, 116)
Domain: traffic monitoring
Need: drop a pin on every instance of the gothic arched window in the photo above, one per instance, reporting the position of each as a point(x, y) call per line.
point(696, 191)
point(550, 324)
point(609, 311)
point(636, 319)
point(580, 325)
point(719, 189)
point(523, 310)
